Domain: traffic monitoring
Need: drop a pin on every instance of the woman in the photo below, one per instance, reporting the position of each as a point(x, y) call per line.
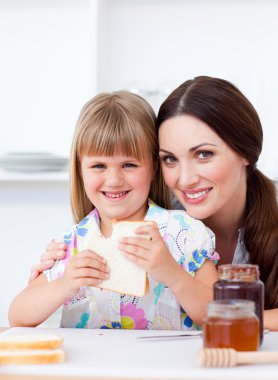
point(210, 139)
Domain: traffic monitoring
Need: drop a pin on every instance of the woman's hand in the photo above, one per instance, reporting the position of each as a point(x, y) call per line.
point(85, 269)
point(54, 251)
point(152, 255)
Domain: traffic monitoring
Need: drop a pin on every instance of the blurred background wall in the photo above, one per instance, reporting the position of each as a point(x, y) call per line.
point(56, 54)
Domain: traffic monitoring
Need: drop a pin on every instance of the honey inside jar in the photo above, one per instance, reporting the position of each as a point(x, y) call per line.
point(241, 281)
point(231, 324)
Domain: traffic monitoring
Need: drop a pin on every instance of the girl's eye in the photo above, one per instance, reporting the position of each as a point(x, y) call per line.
point(129, 165)
point(98, 166)
point(204, 154)
point(168, 160)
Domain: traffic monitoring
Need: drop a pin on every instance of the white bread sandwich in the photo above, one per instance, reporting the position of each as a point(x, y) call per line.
point(30, 342)
point(32, 356)
point(125, 276)
point(31, 349)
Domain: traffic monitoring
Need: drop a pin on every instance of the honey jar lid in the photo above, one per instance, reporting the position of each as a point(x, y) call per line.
point(239, 272)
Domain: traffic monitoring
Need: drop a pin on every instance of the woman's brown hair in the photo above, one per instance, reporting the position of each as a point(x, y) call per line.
point(113, 123)
point(229, 113)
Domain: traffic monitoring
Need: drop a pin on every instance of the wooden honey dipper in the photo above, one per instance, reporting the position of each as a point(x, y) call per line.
point(228, 357)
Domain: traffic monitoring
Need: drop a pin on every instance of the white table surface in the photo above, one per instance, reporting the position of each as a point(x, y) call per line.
point(118, 353)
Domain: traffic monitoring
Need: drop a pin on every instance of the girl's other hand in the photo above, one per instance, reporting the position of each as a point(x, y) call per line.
point(152, 255)
point(54, 251)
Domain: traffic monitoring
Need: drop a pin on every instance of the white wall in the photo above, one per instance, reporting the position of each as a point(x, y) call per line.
point(47, 71)
point(32, 213)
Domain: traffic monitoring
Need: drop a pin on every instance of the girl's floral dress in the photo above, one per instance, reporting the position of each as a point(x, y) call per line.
point(189, 242)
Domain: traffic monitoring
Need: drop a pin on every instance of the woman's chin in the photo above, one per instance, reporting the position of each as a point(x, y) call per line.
point(196, 211)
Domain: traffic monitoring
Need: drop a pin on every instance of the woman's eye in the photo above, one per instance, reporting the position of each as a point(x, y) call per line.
point(204, 154)
point(168, 160)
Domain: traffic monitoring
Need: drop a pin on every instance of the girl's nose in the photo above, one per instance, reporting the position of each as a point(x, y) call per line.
point(114, 178)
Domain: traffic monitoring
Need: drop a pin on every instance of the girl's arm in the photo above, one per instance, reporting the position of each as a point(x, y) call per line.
point(192, 293)
point(271, 319)
point(41, 298)
point(36, 302)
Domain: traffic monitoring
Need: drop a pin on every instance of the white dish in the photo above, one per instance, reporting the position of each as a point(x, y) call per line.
point(32, 162)
point(33, 169)
point(24, 155)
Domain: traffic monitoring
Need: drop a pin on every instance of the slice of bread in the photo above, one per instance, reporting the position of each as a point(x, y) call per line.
point(32, 356)
point(125, 276)
point(30, 341)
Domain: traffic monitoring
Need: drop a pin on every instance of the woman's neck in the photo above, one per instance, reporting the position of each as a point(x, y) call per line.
point(226, 224)
point(227, 220)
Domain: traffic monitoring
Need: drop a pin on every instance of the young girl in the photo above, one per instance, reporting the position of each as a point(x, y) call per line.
point(115, 175)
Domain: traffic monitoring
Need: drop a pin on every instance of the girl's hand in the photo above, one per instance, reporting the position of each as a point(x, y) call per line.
point(54, 251)
point(152, 255)
point(85, 269)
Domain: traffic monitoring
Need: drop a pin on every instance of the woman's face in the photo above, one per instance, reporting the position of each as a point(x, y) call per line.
point(204, 173)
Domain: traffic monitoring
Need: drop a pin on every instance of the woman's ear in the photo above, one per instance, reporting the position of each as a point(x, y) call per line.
point(245, 162)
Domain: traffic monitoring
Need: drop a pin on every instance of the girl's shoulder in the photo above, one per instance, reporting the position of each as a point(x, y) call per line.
point(80, 229)
point(176, 220)
point(185, 220)
point(158, 211)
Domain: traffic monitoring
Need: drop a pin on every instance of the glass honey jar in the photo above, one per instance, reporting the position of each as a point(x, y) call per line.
point(241, 281)
point(231, 324)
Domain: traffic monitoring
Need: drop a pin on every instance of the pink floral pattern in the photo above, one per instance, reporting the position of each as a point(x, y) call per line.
point(133, 318)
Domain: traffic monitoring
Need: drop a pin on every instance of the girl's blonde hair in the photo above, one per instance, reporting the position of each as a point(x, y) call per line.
point(115, 123)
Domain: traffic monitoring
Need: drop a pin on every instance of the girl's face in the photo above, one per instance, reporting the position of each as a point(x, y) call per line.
point(117, 186)
point(204, 173)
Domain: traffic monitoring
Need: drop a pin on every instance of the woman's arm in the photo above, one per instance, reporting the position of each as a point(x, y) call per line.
point(54, 251)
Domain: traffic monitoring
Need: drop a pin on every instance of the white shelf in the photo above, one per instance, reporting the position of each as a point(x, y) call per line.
point(60, 176)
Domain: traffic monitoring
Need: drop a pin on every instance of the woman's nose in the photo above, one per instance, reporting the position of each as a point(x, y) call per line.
point(188, 176)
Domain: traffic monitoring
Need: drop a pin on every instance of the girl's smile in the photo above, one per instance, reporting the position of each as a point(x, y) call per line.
point(116, 195)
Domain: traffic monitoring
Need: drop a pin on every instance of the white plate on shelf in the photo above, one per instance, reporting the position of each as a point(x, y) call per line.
point(32, 162)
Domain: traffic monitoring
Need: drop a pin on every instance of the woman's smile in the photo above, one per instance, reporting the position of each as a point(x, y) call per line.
point(196, 196)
